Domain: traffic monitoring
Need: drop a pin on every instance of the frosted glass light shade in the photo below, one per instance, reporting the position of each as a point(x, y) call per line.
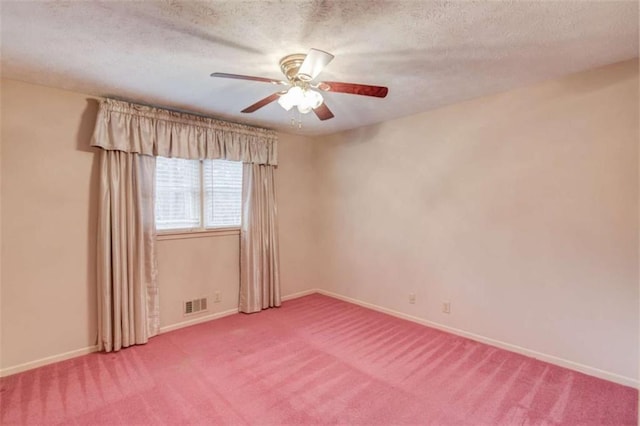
point(304, 109)
point(285, 102)
point(314, 99)
point(305, 100)
point(296, 94)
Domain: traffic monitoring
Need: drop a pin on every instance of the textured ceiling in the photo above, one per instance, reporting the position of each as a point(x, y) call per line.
point(428, 53)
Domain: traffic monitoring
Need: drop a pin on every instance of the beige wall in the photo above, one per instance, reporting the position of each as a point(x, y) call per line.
point(198, 267)
point(48, 222)
point(521, 209)
point(48, 219)
point(191, 268)
point(297, 216)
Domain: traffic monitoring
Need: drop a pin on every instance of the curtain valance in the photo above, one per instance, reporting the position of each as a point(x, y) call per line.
point(123, 126)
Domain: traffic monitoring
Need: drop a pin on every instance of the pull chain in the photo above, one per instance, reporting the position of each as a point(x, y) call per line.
point(297, 122)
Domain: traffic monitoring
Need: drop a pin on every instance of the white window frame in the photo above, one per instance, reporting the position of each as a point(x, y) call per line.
point(202, 231)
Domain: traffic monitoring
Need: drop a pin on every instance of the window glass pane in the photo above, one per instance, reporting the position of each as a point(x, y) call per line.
point(177, 193)
point(223, 193)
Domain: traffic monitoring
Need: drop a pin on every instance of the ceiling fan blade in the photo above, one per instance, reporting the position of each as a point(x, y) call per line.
point(313, 64)
point(247, 77)
point(261, 103)
point(323, 112)
point(353, 89)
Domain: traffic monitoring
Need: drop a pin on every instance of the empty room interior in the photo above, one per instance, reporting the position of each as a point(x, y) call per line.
point(313, 212)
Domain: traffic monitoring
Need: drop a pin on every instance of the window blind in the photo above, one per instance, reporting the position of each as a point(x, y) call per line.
point(223, 193)
point(177, 204)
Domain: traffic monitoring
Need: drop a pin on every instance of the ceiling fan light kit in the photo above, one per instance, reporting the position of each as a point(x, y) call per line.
point(302, 98)
point(300, 70)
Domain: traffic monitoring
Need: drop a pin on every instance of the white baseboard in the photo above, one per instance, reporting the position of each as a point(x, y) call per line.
point(48, 360)
point(89, 349)
point(299, 294)
point(228, 312)
point(592, 371)
point(198, 320)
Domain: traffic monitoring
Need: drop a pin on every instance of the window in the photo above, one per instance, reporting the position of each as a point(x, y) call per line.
point(197, 194)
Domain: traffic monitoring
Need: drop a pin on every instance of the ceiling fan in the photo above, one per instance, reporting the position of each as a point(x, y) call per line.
point(300, 71)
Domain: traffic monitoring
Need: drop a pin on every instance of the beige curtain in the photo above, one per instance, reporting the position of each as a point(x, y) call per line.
point(123, 126)
point(259, 255)
point(131, 136)
point(126, 265)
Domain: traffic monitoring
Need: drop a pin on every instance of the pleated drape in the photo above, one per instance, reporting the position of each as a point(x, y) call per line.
point(130, 136)
point(259, 252)
point(126, 265)
point(123, 126)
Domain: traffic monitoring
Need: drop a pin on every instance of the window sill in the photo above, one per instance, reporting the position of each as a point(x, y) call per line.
point(184, 234)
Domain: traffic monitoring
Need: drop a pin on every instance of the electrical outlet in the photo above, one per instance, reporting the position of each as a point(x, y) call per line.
point(446, 307)
point(216, 297)
point(412, 298)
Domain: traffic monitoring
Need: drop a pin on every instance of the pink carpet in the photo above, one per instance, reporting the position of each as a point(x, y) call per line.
point(316, 360)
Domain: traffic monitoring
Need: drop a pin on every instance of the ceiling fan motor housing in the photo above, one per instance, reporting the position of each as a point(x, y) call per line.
point(290, 65)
